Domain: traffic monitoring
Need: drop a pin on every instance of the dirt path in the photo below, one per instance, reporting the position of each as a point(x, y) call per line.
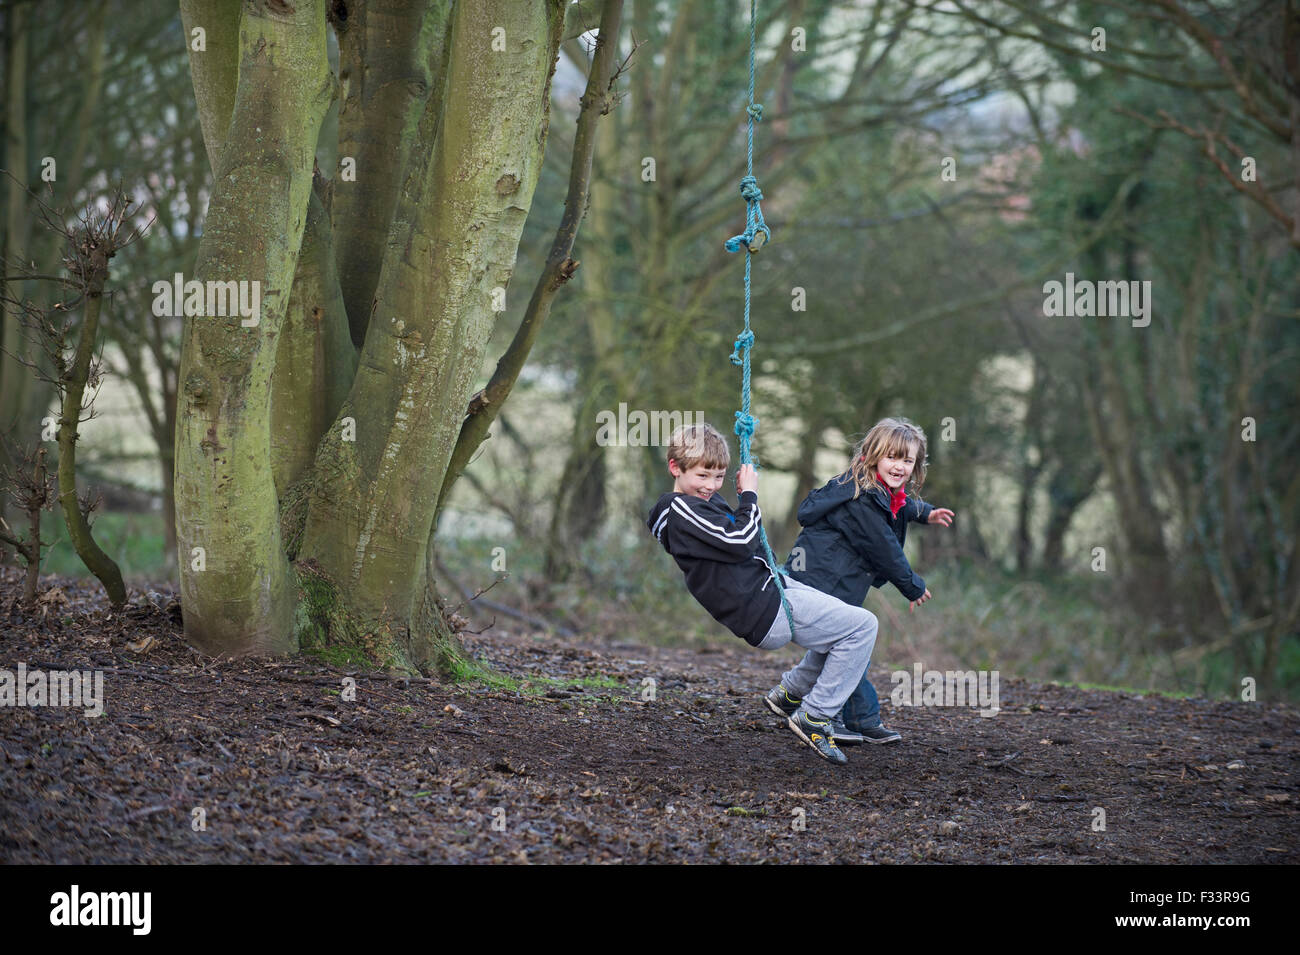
point(285, 770)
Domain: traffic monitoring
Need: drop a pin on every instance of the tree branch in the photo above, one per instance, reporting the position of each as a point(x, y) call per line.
point(596, 101)
point(926, 316)
point(1208, 140)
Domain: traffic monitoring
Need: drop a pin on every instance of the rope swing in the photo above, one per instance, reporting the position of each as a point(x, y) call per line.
point(755, 236)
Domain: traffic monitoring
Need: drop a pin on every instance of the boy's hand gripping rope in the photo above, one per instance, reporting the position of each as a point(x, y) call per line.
point(747, 424)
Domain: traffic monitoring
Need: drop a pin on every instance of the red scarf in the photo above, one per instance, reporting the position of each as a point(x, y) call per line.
point(896, 501)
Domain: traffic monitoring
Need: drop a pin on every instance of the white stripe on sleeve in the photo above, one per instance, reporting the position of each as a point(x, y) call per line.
point(742, 535)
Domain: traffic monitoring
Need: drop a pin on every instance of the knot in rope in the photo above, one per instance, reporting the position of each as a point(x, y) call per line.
point(746, 425)
point(755, 110)
point(754, 223)
point(744, 341)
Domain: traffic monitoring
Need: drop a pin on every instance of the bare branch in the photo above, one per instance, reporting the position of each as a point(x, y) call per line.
point(1209, 140)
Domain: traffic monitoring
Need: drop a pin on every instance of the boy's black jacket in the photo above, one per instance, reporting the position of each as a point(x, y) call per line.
point(849, 546)
point(721, 553)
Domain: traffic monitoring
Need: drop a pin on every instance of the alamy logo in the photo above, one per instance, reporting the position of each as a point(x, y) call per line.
point(83, 688)
point(640, 429)
point(1085, 299)
point(946, 688)
point(102, 908)
point(211, 299)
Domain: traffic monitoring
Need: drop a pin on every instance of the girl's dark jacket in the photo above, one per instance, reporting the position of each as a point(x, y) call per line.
point(848, 546)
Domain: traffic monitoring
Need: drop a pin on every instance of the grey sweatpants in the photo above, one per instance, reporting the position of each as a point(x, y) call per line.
point(839, 639)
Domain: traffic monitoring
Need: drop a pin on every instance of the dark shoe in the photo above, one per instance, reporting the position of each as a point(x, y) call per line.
point(845, 736)
point(877, 734)
point(817, 734)
point(780, 702)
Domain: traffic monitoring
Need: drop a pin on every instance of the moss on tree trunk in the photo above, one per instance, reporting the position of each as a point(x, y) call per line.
point(237, 589)
point(331, 557)
point(456, 230)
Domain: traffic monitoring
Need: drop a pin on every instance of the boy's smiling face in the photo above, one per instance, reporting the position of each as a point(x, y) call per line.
point(894, 469)
point(698, 481)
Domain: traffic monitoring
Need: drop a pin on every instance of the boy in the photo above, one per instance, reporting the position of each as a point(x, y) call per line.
point(721, 553)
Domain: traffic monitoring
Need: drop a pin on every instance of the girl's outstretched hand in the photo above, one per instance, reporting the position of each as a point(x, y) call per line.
point(920, 600)
point(941, 515)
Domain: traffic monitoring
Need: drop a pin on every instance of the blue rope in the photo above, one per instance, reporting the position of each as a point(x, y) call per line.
point(746, 423)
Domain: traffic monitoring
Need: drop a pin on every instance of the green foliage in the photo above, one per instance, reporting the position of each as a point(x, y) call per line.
point(1084, 685)
point(462, 669)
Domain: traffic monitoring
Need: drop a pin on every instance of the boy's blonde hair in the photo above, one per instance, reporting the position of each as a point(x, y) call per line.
point(888, 436)
point(698, 445)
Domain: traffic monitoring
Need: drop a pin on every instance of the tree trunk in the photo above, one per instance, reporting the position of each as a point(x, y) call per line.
point(315, 361)
point(214, 70)
point(308, 474)
point(1112, 421)
point(391, 59)
point(74, 385)
point(467, 191)
point(238, 596)
point(580, 498)
point(168, 479)
point(1067, 489)
point(16, 382)
point(597, 100)
point(1032, 438)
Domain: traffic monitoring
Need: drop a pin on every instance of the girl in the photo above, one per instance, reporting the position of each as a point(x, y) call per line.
point(852, 540)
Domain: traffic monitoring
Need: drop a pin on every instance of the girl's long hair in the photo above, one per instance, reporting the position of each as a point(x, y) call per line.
point(887, 436)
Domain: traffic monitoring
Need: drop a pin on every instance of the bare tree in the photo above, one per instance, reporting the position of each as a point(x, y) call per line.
point(67, 334)
point(27, 482)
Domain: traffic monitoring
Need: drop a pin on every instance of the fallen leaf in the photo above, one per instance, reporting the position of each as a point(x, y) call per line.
point(143, 645)
point(52, 597)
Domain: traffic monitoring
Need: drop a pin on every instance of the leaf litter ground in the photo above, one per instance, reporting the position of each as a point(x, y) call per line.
point(574, 765)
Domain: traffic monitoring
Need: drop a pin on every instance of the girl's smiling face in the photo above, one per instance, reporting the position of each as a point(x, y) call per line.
point(894, 469)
